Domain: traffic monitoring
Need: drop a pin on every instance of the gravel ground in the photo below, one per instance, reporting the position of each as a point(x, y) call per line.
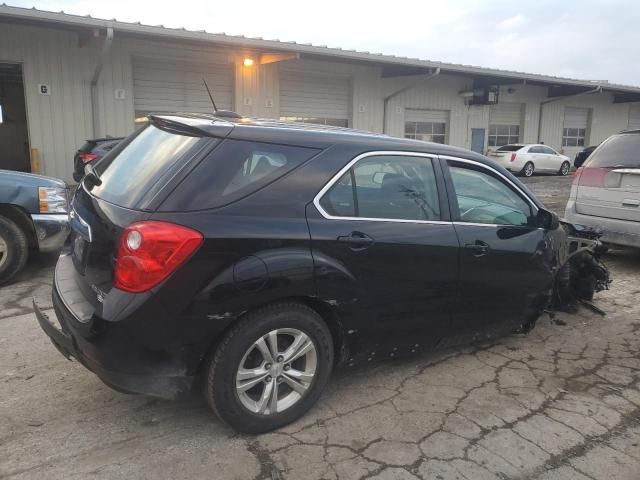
point(561, 403)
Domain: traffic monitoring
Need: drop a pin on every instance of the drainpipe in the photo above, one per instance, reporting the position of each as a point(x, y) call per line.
point(385, 105)
point(106, 48)
point(543, 103)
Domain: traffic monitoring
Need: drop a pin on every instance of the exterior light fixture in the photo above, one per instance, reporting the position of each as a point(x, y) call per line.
point(248, 62)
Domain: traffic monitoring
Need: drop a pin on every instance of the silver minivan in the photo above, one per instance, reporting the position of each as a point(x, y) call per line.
point(606, 190)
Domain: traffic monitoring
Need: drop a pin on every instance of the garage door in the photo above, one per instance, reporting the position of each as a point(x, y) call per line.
point(314, 98)
point(426, 125)
point(504, 124)
point(574, 131)
point(160, 86)
point(634, 117)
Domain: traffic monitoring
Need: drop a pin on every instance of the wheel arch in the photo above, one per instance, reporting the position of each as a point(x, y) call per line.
point(21, 218)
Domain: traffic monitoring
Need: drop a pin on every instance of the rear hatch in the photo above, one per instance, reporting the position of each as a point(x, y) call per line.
point(126, 187)
point(608, 185)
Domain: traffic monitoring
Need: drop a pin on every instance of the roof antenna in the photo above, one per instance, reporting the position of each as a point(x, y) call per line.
point(215, 108)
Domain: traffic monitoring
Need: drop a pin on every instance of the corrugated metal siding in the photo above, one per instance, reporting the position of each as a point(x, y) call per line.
point(160, 86)
point(312, 94)
point(60, 122)
point(505, 114)
point(634, 117)
point(434, 116)
point(576, 117)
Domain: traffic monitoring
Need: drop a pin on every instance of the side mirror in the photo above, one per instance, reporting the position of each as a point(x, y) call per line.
point(548, 219)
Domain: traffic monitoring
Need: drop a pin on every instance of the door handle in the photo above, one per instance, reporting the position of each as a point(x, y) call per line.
point(479, 248)
point(357, 240)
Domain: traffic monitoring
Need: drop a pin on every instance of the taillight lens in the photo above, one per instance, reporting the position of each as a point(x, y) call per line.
point(513, 156)
point(151, 251)
point(87, 157)
point(590, 177)
point(576, 176)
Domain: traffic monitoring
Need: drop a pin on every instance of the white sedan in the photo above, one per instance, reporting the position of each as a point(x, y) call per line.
point(526, 159)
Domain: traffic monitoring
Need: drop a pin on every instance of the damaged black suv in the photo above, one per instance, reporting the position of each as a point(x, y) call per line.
point(251, 257)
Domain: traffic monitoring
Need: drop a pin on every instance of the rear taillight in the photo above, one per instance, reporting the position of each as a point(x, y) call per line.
point(87, 157)
point(590, 177)
point(151, 251)
point(576, 176)
point(513, 157)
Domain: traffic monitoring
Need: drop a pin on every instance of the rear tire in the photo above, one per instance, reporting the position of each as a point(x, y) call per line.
point(528, 169)
point(564, 169)
point(224, 391)
point(14, 249)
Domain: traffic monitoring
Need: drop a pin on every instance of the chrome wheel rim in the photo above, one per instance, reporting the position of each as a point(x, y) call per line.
point(565, 169)
point(276, 371)
point(3, 251)
point(528, 170)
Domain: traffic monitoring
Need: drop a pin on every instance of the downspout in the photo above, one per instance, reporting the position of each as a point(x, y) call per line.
point(543, 103)
point(385, 105)
point(106, 48)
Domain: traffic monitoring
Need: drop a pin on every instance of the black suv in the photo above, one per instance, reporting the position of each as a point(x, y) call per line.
point(257, 255)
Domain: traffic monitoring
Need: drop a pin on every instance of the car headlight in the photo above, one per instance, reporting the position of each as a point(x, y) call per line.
point(53, 200)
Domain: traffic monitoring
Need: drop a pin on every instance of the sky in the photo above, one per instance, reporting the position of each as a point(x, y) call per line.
point(586, 39)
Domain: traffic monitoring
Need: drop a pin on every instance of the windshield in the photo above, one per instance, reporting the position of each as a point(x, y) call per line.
point(133, 172)
point(619, 151)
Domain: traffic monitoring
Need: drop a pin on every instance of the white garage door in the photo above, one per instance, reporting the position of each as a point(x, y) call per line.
point(314, 98)
point(160, 86)
point(574, 131)
point(634, 117)
point(504, 124)
point(426, 125)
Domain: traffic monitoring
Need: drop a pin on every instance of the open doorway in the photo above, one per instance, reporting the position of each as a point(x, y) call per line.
point(14, 134)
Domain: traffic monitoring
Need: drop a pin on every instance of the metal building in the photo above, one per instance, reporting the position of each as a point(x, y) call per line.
point(66, 78)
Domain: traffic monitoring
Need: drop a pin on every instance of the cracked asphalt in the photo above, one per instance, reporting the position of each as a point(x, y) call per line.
point(561, 403)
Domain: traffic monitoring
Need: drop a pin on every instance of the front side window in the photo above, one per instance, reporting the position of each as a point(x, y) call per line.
point(426, 131)
point(500, 135)
point(574, 137)
point(483, 198)
point(390, 187)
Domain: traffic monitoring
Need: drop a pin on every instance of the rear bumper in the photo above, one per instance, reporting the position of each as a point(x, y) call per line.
point(51, 230)
point(93, 345)
point(615, 231)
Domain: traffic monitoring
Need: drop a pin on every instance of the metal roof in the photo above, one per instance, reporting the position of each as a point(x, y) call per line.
point(33, 15)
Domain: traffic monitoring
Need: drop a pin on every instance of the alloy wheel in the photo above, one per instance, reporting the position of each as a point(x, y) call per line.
point(564, 169)
point(528, 170)
point(276, 371)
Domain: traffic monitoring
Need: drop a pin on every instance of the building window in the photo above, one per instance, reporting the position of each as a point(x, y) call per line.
point(334, 122)
point(426, 131)
point(573, 137)
point(500, 135)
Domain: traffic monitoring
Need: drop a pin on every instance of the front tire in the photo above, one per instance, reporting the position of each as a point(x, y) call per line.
point(270, 368)
point(564, 169)
point(14, 249)
point(528, 169)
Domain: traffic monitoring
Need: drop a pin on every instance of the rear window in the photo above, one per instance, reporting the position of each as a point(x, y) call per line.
point(134, 171)
point(235, 169)
point(510, 148)
point(621, 151)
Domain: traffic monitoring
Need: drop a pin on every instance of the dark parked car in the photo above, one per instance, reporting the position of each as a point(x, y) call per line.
point(91, 152)
point(257, 255)
point(33, 216)
point(582, 156)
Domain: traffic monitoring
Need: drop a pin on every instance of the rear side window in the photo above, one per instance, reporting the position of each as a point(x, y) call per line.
point(620, 151)
point(233, 170)
point(387, 187)
point(134, 171)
